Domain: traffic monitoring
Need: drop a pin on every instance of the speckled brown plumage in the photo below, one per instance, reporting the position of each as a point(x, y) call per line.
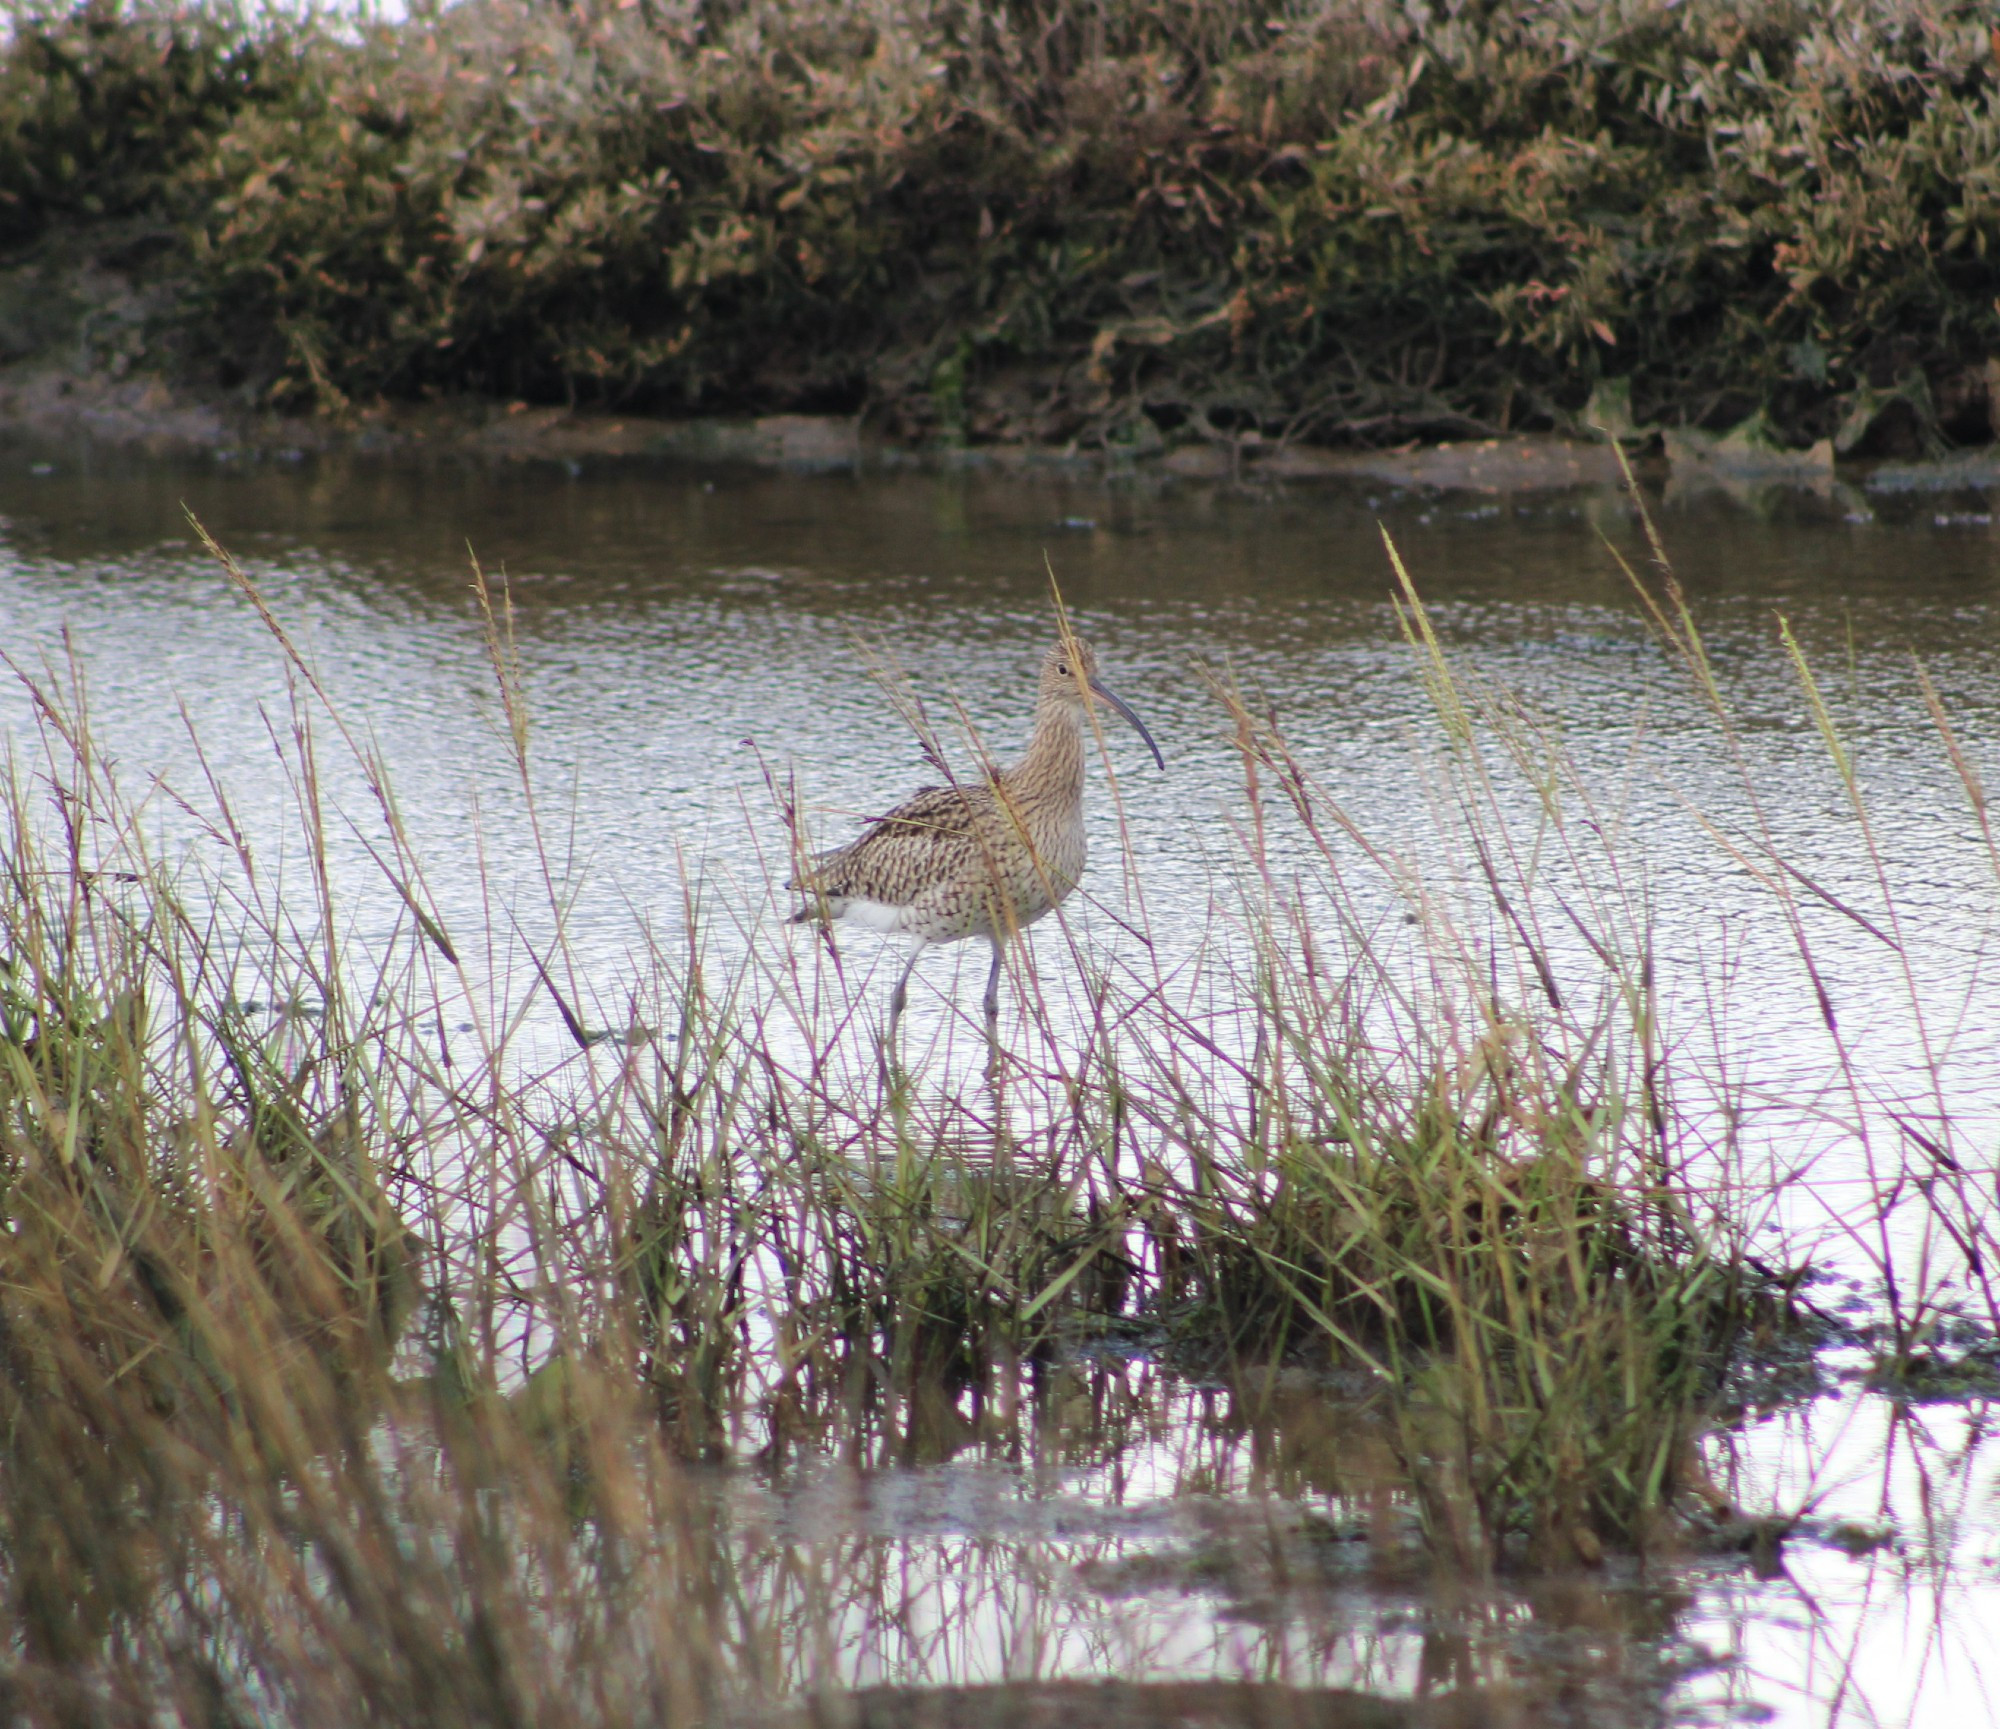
point(983, 859)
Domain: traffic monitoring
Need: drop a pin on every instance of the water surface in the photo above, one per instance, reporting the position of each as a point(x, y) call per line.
point(690, 640)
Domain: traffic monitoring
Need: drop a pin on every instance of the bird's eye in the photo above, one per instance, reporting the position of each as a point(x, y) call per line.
point(1062, 669)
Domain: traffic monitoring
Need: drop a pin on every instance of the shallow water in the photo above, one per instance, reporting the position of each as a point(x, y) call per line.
point(681, 633)
point(1165, 1534)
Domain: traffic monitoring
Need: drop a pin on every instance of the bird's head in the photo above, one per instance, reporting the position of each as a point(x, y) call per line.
point(1069, 675)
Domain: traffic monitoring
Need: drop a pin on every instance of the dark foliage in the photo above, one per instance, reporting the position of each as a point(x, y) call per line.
point(1118, 223)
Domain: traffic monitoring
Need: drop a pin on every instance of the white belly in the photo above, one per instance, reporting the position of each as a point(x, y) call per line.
point(875, 916)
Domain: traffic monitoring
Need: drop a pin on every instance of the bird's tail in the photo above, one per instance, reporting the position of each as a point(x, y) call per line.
point(815, 911)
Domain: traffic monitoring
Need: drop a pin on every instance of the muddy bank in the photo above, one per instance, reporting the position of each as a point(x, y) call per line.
point(148, 415)
point(1160, 1705)
point(48, 406)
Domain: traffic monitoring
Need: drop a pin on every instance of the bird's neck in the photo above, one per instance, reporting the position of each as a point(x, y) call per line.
point(1052, 765)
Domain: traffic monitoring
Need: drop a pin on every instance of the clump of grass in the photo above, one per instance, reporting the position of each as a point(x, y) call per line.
point(1215, 220)
point(1479, 1192)
point(259, 1450)
point(907, 1254)
point(1547, 1334)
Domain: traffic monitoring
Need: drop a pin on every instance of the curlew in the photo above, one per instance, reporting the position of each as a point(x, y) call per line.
point(977, 860)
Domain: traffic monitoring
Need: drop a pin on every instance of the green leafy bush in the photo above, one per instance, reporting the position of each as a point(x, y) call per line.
point(1115, 223)
point(102, 109)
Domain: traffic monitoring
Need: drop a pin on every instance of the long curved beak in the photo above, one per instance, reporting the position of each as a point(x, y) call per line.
point(1137, 725)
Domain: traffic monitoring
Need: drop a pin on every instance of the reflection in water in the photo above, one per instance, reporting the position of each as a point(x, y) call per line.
point(1135, 1527)
point(1123, 1523)
point(684, 637)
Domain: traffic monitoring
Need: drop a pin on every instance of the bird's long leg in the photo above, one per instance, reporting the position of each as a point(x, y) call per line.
point(993, 1008)
point(897, 999)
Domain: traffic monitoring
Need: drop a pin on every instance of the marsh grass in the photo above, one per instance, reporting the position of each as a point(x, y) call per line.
point(354, 1367)
point(1479, 1190)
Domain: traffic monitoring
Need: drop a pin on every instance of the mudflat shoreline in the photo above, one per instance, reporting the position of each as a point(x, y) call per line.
point(149, 416)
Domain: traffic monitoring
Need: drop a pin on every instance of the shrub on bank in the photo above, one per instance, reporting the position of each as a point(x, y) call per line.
point(103, 108)
point(1299, 218)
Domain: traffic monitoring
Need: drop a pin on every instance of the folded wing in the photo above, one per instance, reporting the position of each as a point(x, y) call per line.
point(930, 838)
